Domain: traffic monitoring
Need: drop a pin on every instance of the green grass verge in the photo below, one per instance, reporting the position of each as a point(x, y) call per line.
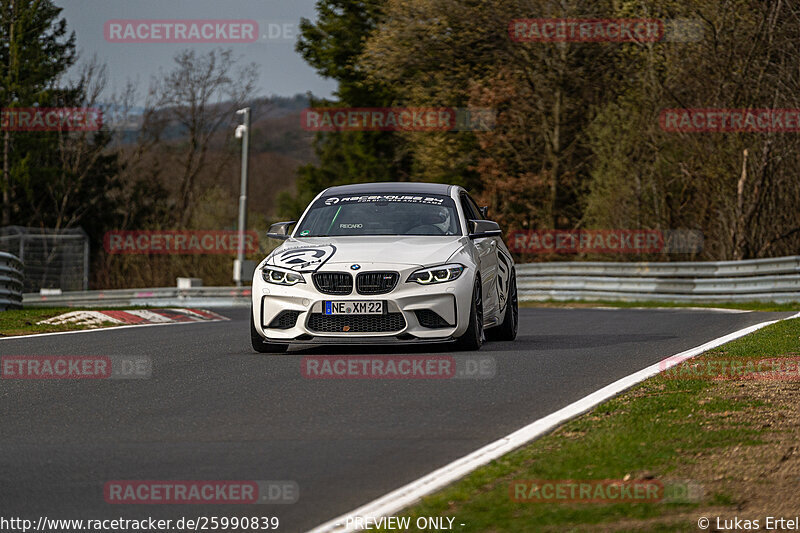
point(746, 306)
point(637, 433)
point(24, 321)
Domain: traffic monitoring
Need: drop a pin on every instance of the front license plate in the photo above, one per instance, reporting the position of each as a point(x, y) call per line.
point(353, 308)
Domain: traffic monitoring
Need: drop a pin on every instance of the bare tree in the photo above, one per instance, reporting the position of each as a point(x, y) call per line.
point(78, 152)
point(200, 95)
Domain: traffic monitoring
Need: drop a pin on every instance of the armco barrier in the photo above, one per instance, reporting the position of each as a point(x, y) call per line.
point(158, 297)
point(10, 282)
point(766, 280)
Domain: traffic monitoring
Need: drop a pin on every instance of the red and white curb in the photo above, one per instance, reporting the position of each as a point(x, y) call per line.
point(134, 317)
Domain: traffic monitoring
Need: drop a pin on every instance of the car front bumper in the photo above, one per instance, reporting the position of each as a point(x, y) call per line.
point(294, 314)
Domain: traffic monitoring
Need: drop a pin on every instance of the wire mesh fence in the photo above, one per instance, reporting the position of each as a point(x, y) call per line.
point(54, 259)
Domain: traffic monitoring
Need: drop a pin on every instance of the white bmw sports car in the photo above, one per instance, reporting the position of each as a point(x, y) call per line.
point(386, 263)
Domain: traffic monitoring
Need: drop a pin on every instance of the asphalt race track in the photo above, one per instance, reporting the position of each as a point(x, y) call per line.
point(215, 410)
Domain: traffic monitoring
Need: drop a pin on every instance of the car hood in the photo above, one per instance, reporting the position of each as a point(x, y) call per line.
point(309, 254)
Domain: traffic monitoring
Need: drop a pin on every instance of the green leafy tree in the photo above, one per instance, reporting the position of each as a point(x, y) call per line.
point(740, 189)
point(333, 46)
point(459, 53)
point(35, 51)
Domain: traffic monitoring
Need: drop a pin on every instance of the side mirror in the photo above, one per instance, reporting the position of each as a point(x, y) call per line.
point(479, 229)
point(484, 211)
point(280, 230)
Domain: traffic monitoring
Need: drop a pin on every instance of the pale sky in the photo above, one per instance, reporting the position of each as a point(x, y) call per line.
point(282, 70)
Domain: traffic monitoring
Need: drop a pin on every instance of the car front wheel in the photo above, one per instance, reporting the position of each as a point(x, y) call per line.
point(472, 339)
point(259, 344)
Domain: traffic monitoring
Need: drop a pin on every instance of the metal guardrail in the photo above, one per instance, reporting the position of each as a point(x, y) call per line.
point(157, 297)
point(766, 280)
point(11, 282)
point(687, 269)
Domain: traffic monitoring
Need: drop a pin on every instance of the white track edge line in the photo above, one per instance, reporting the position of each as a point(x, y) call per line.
point(109, 328)
point(406, 495)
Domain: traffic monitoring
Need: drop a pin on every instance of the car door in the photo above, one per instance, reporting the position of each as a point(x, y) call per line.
point(487, 252)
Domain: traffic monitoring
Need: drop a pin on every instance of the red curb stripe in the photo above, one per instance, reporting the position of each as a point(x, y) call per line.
point(125, 317)
point(177, 316)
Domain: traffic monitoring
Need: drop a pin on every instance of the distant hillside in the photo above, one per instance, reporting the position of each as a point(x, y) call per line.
point(278, 146)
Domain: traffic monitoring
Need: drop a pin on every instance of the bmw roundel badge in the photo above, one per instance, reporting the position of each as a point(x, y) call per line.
point(355, 267)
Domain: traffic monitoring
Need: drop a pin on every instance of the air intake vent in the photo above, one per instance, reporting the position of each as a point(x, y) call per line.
point(333, 282)
point(376, 282)
point(431, 319)
point(357, 323)
point(284, 320)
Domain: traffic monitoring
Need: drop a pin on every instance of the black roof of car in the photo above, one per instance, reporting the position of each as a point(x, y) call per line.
point(390, 187)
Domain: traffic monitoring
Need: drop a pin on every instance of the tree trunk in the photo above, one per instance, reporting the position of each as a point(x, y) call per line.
point(738, 225)
point(6, 219)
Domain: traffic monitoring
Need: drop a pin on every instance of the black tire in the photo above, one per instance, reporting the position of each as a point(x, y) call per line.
point(472, 339)
point(507, 330)
point(262, 346)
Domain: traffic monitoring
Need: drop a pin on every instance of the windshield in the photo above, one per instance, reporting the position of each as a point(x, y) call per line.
point(386, 214)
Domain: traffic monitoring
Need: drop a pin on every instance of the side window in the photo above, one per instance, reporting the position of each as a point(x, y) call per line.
point(470, 211)
point(475, 208)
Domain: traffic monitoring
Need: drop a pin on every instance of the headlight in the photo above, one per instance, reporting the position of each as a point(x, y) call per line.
point(438, 274)
point(280, 276)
